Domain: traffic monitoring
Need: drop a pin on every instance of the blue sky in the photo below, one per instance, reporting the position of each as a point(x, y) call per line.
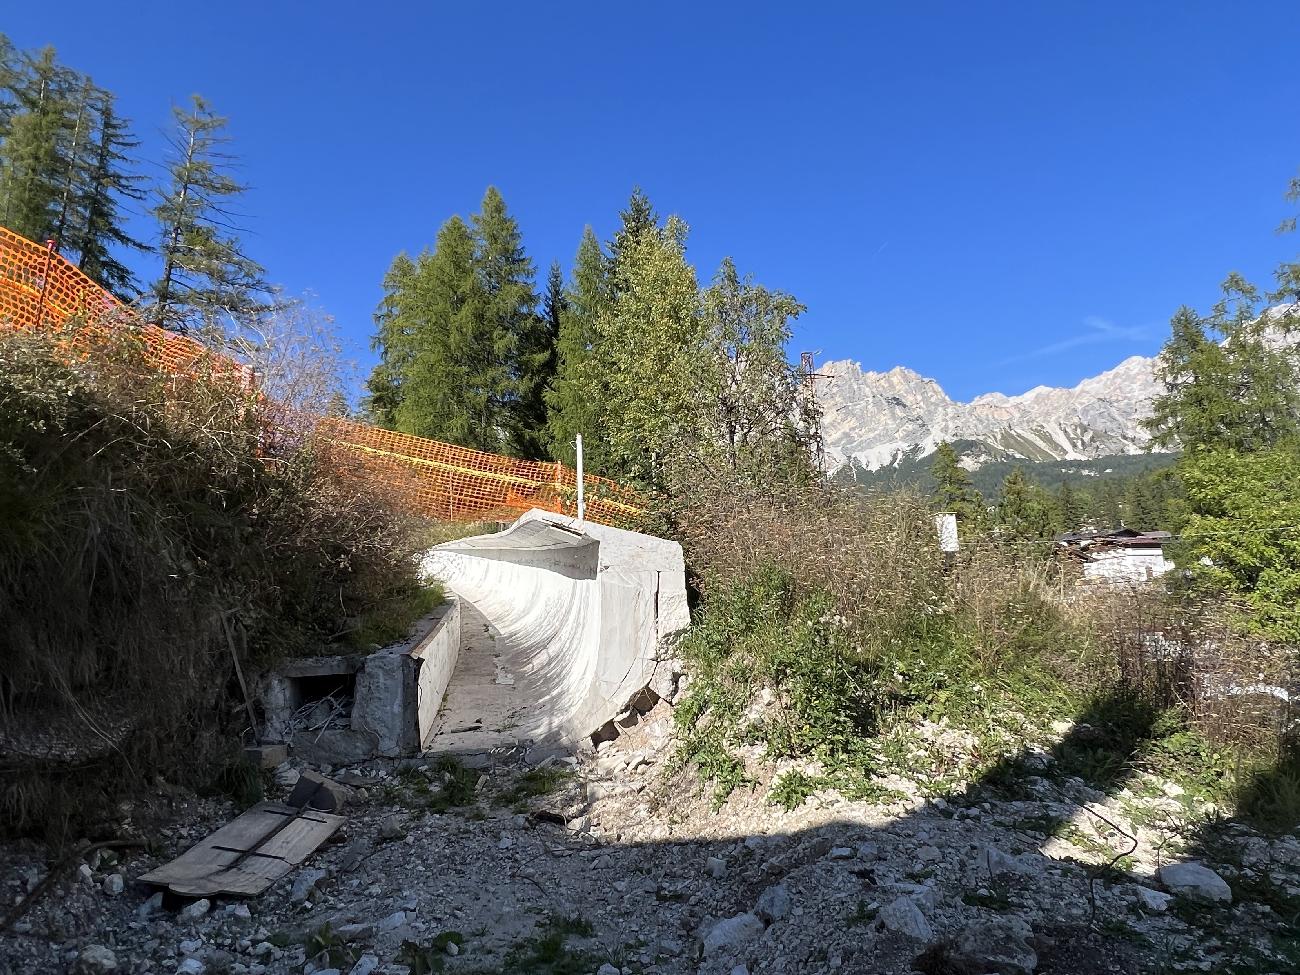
point(995, 194)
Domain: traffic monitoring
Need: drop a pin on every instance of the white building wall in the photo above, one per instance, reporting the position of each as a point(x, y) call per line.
point(1127, 565)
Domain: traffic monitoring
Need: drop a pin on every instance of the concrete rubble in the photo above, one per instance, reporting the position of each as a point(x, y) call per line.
point(656, 881)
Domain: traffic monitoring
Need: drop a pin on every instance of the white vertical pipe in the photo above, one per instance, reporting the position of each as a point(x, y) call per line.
point(582, 504)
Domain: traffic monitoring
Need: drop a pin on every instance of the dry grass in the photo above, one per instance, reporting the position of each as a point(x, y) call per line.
point(146, 538)
point(840, 611)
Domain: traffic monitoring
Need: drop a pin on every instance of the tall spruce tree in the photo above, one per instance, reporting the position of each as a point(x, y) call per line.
point(394, 341)
point(1024, 510)
point(535, 406)
point(637, 219)
point(205, 273)
point(574, 402)
point(512, 350)
point(1070, 508)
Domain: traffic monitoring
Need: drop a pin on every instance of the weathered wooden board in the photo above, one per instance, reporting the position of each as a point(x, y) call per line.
point(246, 856)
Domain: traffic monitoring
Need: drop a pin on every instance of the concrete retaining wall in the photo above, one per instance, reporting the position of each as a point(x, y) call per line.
point(396, 694)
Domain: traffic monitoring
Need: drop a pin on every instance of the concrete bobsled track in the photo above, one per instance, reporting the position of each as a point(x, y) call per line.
point(563, 625)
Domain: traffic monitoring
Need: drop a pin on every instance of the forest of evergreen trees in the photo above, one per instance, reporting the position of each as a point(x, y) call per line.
point(1024, 508)
point(630, 351)
point(68, 173)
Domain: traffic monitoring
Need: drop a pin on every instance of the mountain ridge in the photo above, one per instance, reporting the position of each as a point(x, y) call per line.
point(880, 419)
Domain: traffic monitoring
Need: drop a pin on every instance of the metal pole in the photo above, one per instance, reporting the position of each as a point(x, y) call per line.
point(582, 504)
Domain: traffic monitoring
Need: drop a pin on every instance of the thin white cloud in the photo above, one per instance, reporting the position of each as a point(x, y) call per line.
point(1098, 332)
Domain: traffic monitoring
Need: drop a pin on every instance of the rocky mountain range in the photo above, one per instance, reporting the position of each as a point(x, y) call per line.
point(879, 420)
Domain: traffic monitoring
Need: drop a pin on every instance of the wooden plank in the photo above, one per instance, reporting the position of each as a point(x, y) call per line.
point(248, 854)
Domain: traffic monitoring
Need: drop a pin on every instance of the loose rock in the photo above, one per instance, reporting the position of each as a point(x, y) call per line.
point(1195, 880)
point(95, 960)
point(999, 945)
point(732, 933)
point(904, 917)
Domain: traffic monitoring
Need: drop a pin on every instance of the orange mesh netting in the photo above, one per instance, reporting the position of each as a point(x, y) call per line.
point(39, 289)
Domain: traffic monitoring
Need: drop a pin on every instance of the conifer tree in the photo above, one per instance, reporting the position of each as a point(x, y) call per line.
point(98, 233)
point(205, 272)
point(1069, 508)
point(534, 408)
point(1024, 511)
point(34, 159)
point(1226, 384)
point(394, 341)
point(511, 349)
point(636, 220)
point(9, 76)
point(954, 491)
point(574, 403)
point(445, 393)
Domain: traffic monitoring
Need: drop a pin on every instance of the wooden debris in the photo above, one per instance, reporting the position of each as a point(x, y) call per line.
point(246, 856)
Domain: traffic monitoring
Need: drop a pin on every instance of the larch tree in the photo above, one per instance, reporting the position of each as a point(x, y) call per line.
point(441, 347)
point(98, 235)
point(574, 401)
point(34, 157)
point(206, 275)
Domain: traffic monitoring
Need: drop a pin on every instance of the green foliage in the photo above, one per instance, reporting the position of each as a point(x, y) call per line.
point(532, 784)
point(458, 784)
point(954, 492)
point(1025, 511)
point(463, 355)
point(1269, 796)
point(575, 398)
point(206, 276)
point(328, 949)
point(63, 164)
point(390, 620)
point(1129, 489)
point(1227, 384)
point(1241, 536)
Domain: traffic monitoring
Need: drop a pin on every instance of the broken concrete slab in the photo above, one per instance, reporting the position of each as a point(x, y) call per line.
point(315, 791)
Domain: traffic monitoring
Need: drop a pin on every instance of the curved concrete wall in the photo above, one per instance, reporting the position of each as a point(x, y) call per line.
point(580, 611)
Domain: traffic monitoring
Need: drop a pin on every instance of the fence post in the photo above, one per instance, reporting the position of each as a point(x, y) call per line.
point(45, 282)
point(582, 504)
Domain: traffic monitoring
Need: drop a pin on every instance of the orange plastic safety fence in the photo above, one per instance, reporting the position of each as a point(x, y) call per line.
point(41, 290)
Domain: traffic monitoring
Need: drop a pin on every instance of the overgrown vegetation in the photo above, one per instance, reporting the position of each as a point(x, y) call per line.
point(148, 541)
point(831, 630)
